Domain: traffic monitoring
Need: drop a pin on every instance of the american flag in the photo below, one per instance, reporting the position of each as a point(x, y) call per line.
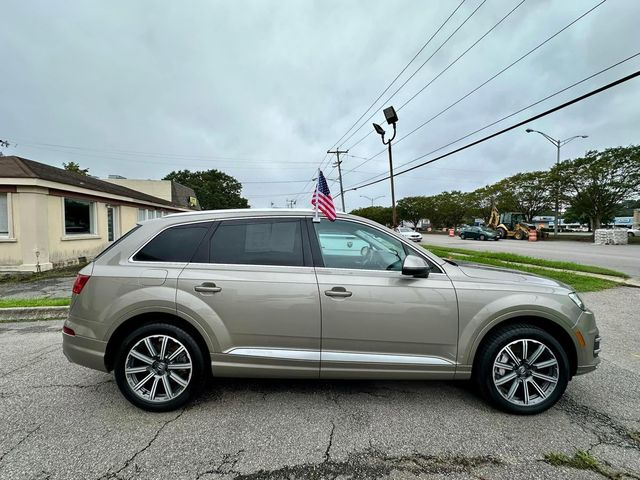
point(322, 198)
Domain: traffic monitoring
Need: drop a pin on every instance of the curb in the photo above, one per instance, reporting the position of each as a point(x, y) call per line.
point(33, 313)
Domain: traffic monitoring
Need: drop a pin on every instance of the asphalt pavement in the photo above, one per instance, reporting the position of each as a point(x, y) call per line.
point(62, 421)
point(624, 258)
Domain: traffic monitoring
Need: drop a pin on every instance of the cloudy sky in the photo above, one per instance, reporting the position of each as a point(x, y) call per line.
point(261, 89)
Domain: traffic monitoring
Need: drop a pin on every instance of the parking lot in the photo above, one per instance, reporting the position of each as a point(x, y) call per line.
point(63, 421)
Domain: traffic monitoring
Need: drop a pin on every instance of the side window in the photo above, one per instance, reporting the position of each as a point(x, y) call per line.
point(175, 244)
point(271, 242)
point(356, 246)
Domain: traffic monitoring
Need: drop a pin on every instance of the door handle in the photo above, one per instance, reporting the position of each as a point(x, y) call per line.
point(207, 287)
point(338, 292)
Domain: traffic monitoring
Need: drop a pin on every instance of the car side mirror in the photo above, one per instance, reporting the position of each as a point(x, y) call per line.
point(415, 266)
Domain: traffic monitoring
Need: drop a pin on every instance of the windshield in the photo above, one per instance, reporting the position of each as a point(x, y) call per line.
point(405, 229)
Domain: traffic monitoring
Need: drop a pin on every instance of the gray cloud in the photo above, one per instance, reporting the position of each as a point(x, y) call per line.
point(272, 85)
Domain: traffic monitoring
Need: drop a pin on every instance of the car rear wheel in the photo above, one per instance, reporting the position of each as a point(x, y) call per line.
point(522, 369)
point(159, 367)
point(462, 236)
point(482, 237)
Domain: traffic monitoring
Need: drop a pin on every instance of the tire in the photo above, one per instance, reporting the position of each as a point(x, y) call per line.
point(502, 232)
point(482, 237)
point(166, 388)
point(510, 395)
point(462, 236)
point(519, 235)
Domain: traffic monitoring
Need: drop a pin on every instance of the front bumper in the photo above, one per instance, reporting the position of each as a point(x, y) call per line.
point(588, 355)
point(84, 351)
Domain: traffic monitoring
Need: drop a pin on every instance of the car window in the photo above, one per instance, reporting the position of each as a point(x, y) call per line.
point(175, 244)
point(272, 242)
point(353, 245)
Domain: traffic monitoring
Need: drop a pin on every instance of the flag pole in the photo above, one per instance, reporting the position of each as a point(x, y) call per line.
point(316, 218)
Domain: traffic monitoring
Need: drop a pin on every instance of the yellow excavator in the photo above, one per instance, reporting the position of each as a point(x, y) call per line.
point(511, 225)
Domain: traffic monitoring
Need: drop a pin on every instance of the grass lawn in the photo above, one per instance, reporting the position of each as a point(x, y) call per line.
point(33, 302)
point(581, 283)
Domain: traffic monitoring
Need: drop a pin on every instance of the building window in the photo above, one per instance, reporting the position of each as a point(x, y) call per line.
point(4, 215)
point(78, 217)
point(148, 214)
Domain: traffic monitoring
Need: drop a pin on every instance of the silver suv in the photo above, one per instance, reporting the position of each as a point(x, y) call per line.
point(271, 293)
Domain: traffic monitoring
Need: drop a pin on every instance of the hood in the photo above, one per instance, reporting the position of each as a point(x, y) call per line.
point(505, 275)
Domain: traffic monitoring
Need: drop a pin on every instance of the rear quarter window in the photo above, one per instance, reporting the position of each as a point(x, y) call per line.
point(175, 244)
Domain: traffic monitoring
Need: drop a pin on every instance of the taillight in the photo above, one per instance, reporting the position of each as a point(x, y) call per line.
point(68, 331)
point(81, 281)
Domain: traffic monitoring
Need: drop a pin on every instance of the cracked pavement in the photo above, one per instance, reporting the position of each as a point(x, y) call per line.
point(63, 421)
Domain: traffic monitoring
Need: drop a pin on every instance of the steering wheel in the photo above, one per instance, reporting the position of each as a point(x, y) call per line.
point(368, 256)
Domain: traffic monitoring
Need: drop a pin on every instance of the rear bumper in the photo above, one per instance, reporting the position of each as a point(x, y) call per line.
point(84, 351)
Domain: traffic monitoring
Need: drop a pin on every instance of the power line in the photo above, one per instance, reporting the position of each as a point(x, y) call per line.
point(137, 153)
point(525, 108)
point(324, 160)
point(515, 62)
point(236, 164)
point(503, 131)
point(416, 71)
point(401, 72)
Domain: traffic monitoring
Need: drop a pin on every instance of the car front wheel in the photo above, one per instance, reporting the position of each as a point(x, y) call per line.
point(159, 367)
point(522, 369)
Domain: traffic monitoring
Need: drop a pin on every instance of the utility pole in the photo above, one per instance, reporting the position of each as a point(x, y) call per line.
point(337, 164)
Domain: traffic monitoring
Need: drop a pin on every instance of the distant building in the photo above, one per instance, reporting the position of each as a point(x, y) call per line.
point(53, 217)
point(166, 189)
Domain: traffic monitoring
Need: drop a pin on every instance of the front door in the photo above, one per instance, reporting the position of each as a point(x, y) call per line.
point(252, 284)
point(376, 322)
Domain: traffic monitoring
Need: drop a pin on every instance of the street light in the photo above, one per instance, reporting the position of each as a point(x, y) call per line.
point(557, 144)
point(392, 119)
point(372, 199)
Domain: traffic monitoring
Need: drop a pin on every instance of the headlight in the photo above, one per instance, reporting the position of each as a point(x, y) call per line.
point(577, 300)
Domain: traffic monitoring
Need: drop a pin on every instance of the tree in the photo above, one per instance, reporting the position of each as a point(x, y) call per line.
point(532, 192)
point(450, 209)
point(594, 185)
point(382, 215)
point(413, 209)
point(214, 189)
point(74, 167)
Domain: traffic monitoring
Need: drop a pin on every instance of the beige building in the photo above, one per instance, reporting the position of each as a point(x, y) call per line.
point(51, 217)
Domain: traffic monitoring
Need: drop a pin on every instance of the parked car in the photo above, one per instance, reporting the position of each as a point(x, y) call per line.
point(409, 233)
point(271, 293)
point(634, 232)
point(478, 233)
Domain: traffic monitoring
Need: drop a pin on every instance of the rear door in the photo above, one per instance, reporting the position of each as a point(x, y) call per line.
point(252, 284)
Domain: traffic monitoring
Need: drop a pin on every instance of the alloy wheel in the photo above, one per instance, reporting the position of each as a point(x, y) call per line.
point(525, 372)
point(158, 368)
